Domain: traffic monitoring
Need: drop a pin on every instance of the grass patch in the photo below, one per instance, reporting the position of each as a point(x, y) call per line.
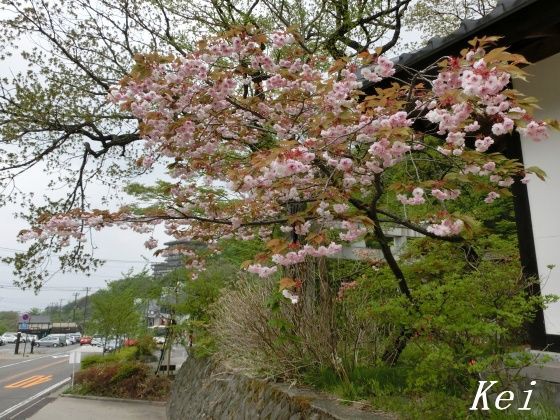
point(363, 382)
point(389, 389)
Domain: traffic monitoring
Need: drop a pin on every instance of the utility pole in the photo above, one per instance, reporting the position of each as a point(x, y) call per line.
point(60, 310)
point(74, 310)
point(85, 306)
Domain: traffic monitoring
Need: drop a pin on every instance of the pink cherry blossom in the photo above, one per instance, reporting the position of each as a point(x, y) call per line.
point(353, 231)
point(384, 67)
point(506, 126)
point(369, 74)
point(447, 227)
point(416, 199)
point(482, 145)
point(536, 131)
point(489, 166)
point(291, 296)
point(344, 164)
point(151, 243)
point(322, 251)
point(262, 271)
point(456, 139)
point(492, 195)
point(27, 235)
point(508, 182)
point(340, 208)
point(280, 39)
point(475, 126)
point(303, 228)
point(443, 195)
point(243, 150)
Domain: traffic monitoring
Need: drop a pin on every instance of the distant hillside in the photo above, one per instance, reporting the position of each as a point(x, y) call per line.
point(143, 285)
point(8, 321)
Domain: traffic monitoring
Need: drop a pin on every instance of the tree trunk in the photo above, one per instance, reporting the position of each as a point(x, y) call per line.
point(393, 353)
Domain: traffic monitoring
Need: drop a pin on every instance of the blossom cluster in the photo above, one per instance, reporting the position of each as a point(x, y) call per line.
point(447, 227)
point(384, 68)
point(417, 197)
point(296, 257)
point(262, 271)
point(353, 231)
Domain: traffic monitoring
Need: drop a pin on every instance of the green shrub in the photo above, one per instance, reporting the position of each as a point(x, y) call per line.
point(145, 346)
point(127, 370)
point(92, 360)
point(468, 323)
point(129, 379)
point(121, 355)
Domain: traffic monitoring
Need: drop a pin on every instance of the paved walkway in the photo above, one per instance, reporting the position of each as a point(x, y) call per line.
point(100, 408)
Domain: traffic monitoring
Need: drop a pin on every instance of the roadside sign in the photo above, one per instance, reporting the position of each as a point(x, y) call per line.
point(75, 357)
point(25, 317)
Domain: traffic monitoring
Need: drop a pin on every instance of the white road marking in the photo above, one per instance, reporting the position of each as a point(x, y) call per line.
point(31, 360)
point(14, 415)
point(33, 397)
point(60, 356)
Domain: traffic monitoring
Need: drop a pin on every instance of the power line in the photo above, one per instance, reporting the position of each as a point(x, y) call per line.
point(103, 259)
point(53, 288)
point(114, 276)
point(12, 249)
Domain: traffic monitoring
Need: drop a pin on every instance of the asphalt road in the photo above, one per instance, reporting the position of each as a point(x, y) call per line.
point(25, 382)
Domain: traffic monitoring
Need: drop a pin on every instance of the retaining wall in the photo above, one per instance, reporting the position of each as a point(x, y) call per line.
point(205, 390)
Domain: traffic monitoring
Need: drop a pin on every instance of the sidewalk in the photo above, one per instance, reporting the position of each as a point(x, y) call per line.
point(7, 353)
point(95, 408)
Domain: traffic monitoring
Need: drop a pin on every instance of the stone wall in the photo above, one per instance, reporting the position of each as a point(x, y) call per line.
point(205, 390)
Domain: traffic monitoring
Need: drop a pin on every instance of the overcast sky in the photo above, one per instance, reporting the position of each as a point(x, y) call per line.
point(123, 249)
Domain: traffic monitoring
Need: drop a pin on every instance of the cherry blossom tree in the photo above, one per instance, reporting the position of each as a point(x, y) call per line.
point(264, 140)
point(290, 127)
point(308, 152)
point(60, 59)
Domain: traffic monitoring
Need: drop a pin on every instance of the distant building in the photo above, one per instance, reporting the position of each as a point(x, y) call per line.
point(155, 316)
point(64, 327)
point(158, 312)
point(174, 259)
point(39, 325)
point(359, 250)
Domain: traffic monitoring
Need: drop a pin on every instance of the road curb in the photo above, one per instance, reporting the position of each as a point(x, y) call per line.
point(123, 400)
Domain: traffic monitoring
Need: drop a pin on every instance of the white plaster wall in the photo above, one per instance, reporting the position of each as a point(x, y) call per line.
point(544, 197)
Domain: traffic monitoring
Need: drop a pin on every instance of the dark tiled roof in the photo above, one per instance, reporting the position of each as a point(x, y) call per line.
point(468, 29)
point(527, 27)
point(40, 319)
point(186, 243)
point(64, 325)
